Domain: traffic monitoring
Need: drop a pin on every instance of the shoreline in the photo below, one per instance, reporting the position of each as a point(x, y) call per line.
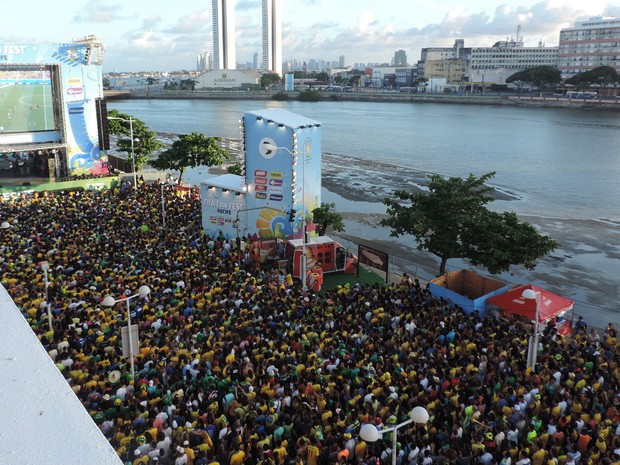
point(529, 101)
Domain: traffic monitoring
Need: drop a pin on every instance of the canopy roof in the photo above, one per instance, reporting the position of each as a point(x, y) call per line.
point(551, 305)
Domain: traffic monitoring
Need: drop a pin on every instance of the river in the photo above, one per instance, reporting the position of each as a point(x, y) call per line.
point(559, 167)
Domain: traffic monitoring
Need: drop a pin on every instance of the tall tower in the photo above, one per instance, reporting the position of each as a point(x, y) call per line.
point(224, 56)
point(272, 36)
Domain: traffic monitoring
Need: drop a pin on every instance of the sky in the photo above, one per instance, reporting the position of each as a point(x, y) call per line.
point(167, 35)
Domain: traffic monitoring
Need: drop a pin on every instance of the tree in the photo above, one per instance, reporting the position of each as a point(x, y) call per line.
point(188, 84)
point(539, 76)
point(235, 168)
point(600, 76)
point(309, 95)
point(519, 79)
point(191, 150)
point(451, 220)
point(324, 216)
point(106, 82)
point(268, 80)
point(144, 140)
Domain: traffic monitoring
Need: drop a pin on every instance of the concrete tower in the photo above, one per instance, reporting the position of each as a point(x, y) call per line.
point(224, 56)
point(272, 36)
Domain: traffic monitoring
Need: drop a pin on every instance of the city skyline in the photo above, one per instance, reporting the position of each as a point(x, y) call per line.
point(158, 35)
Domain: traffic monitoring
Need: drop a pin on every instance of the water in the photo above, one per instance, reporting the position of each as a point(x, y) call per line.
point(563, 163)
point(561, 166)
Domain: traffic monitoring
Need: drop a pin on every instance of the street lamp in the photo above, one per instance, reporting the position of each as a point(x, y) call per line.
point(370, 433)
point(133, 155)
point(304, 266)
point(110, 301)
point(532, 350)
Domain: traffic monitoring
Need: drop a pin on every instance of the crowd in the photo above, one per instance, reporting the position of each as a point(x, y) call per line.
point(236, 367)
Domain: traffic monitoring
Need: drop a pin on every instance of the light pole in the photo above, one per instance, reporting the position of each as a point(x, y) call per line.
point(304, 266)
point(370, 433)
point(133, 155)
point(110, 301)
point(532, 350)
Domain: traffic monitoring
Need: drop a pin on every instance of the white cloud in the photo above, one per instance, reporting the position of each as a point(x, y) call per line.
point(97, 12)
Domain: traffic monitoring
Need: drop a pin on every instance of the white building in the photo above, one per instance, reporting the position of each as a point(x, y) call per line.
point(492, 65)
point(588, 45)
point(272, 36)
point(228, 79)
point(224, 55)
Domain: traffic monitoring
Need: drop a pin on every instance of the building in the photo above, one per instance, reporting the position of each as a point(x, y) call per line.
point(492, 65)
point(341, 61)
point(203, 62)
point(588, 45)
point(272, 36)
point(223, 14)
point(400, 58)
point(453, 70)
point(228, 79)
point(433, 54)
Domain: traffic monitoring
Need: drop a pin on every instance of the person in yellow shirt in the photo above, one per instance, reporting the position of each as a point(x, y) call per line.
point(313, 454)
point(237, 457)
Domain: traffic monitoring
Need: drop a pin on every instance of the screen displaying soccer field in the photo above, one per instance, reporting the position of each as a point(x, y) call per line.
point(26, 100)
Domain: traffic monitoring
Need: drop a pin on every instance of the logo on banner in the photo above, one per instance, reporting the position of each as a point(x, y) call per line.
point(260, 173)
point(76, 110)
point(276, 174)
point(75, 90)
point(277, 197)
point(261, 188)
point(260, 195)
point(267, 148)
point(275, 190)
point(275, 182)
point(260, 181)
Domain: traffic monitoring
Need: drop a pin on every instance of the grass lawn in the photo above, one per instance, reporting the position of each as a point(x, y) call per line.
point(26, 108)
point(333, 280)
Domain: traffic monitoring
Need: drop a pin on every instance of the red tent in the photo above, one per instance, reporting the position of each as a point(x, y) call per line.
point(551, 305)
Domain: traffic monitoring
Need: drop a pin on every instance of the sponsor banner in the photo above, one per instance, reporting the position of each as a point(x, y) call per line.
point(76, 110)
point(261, 188)
point(275, 182)
point(275, 190)
point(260, 181)
point(260, 195)
point(276, 174)
point(277, 197)
point(75, 90)
point(260, 173)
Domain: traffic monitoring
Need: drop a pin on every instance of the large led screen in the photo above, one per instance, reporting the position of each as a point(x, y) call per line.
point(26, 99)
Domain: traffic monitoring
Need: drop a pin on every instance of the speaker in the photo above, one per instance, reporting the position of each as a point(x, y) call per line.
point(103, 129)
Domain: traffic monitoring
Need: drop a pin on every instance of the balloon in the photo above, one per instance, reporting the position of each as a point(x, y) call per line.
point(144, 228)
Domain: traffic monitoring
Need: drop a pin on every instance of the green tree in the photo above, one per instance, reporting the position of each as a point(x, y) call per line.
point(191, 150)
point(268, 80)
point(601, 76)
point(309, 95)
point(452, 220)
point(325, 216)
point(235, 168)
point(188, 84)
point(106, 82)
point(519, 79)
point(144, 140)
point(322, 77)
point(539, 76)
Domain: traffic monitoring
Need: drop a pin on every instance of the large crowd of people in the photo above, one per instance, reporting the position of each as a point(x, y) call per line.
point(236, 366)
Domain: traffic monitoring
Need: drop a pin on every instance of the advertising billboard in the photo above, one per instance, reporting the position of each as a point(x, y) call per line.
point(283, 171)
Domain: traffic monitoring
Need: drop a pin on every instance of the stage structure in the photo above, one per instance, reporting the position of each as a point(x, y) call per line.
point(52, 112)
point(281, 183)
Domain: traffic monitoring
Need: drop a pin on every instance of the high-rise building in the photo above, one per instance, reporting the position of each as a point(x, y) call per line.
point(203, 62)
point(272, 36)
point(588, 45)
point(400, 58)
point(341, 61)
point(255, 61)
point(223, 13)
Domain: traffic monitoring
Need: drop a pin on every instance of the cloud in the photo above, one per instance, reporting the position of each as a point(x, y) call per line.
point(97, 12)
point(191, 23)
